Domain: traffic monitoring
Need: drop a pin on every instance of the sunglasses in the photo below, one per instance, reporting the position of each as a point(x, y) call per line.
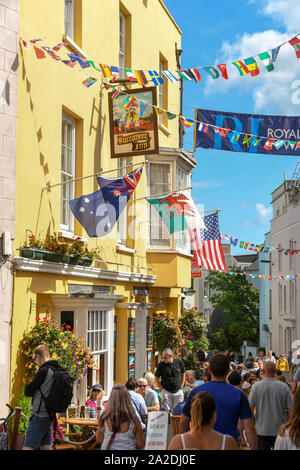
point(142, 386)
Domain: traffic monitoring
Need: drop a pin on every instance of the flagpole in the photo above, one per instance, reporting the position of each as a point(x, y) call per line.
point(48, 186)
point(163, 194)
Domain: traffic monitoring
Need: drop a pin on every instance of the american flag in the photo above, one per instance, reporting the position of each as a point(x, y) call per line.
point(207, 245)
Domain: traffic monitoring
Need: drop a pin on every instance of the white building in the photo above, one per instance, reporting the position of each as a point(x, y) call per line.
point(285, 235)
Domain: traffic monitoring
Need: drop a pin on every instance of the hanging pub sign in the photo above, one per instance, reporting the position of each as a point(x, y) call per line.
point(196, 270)
point(251, 133)
point(133, 123)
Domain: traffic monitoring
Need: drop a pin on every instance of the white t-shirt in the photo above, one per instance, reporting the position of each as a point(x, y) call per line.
point(284, 443)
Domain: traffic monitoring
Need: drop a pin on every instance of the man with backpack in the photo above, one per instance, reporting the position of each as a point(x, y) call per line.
point(51, 392)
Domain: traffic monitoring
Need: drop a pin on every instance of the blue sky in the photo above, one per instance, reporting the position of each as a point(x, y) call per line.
point(239, 184)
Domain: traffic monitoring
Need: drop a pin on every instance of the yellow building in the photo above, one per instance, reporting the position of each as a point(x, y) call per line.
point(63, 133)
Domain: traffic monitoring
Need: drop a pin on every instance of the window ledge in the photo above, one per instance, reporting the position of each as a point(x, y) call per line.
point(124, 249)
point(71, 236)
point(72, 44)
point(169, 250)
point(164, 129)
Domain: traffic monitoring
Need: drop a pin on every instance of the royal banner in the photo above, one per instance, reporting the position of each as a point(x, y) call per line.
point(133, 123)
point(251, 133)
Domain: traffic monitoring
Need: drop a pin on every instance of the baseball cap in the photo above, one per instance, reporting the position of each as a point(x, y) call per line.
point(96, 387)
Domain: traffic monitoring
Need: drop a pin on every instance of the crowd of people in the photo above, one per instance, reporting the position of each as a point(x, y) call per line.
point(226, 402)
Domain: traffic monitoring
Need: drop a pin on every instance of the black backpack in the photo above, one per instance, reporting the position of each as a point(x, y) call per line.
point(61, 392)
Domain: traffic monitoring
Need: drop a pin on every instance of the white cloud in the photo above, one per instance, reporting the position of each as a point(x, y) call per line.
point(272, 92)
point(286, 12)
point(263, 216)
point(206, 184)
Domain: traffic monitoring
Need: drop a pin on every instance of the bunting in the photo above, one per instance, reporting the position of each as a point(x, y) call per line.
point(252, 66)
point(223, 70)
point(244, 66)
point(285, 277)
point(89, 82)
point(295, 43)
point(212, 71)
point(256, 247)
point(156, 78)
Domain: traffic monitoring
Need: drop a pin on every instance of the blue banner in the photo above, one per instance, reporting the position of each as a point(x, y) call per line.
point(252, 133)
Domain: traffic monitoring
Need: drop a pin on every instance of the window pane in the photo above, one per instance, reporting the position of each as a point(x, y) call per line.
point(67, 170)
point(159, 183)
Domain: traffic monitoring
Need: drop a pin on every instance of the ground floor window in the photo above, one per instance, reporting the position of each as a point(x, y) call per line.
point(96, 335)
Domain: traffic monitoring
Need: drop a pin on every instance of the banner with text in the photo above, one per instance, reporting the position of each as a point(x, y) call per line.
point(251, 133)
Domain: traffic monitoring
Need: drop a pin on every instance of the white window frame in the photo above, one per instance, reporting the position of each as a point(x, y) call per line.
point(122, 45)
point(280, 298)
point(64, 174)
point(122, 220)
point(292, 297)
point(97, 330)
point(279, 258)
point(183, 244)
point(292, 246)
point(155, 216)
point(207, 313)
point(69, 18)
point(206, 289)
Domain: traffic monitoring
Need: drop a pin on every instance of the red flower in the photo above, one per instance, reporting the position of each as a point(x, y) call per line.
point(37, 318)
point(68, 327)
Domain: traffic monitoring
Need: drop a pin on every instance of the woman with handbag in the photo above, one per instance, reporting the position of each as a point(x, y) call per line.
point(119, 427)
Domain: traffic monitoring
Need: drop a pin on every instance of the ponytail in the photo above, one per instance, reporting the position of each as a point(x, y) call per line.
point(196, 414)
point(202, 410)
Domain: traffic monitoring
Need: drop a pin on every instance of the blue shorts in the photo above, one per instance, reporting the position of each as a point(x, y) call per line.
point(39, 432)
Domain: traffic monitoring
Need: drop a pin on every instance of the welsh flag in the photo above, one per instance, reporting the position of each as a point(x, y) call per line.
point(178, 211)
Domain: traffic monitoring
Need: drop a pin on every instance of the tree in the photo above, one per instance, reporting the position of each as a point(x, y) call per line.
point(240, 302)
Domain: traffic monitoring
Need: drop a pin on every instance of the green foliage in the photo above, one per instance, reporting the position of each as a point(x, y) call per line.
point(166, 333)
point(64, 347)
point(240, 301)
point(184, 337)
point(22, 402)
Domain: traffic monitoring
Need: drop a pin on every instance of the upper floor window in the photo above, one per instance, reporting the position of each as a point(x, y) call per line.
point(163, 92)
point(206, 289)
point(280, 298)
point(207, 316)
point(292, 297)
point(292, 246)
point(279, 257)
point(67, 171)
point(122, 220)
point(159, 181)
point(122, 45)
point(69, 18)
point(182, 182)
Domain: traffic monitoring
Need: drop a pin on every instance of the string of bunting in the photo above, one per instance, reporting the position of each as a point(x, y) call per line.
point(285, 277)
point(255, 247)
point(112, 73)
point(244, 67)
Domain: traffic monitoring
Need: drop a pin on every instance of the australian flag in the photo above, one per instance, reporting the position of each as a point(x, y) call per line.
point(99, 211)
